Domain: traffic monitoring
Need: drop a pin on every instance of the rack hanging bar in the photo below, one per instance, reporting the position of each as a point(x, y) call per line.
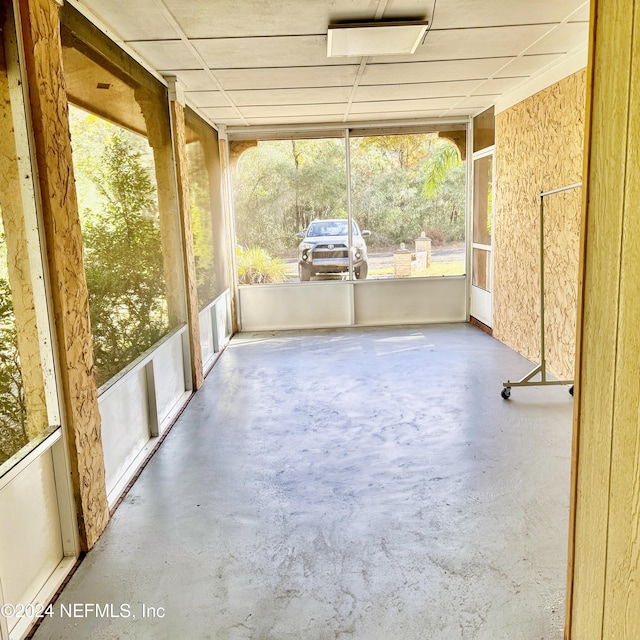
point(541, 369)
point(571, 186)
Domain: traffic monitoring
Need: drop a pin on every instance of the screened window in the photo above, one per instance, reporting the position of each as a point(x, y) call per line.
point(206, 211)
point(409, 192)
point(484, 130)
point(408, 209)
point(125, 182)
point(280, 188)
point(28, 405)
point(14, 434)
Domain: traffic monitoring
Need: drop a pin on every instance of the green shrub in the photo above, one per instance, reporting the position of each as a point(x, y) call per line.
point(256, 266)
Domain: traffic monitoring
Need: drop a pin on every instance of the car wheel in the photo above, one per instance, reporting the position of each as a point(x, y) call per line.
point(305, 273)
point(362, 271)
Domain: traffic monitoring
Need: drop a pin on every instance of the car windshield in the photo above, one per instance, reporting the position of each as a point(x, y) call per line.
point(329, 228)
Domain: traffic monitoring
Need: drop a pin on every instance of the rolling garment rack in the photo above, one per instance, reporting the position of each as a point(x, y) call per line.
point(541, 369)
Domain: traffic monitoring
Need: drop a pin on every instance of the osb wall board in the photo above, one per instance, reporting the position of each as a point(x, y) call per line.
point(48, 100)
point(539, 147)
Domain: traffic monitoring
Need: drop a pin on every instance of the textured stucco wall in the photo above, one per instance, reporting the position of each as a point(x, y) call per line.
point(539, 147)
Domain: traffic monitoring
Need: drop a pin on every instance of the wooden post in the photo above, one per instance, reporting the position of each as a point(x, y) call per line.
point(184, 200)
point(227, 213)
point(218, 213)
point(156, 116)
point(603, 592)
point(49, 109)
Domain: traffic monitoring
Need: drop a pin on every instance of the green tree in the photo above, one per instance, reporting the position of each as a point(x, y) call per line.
point(121, 237)
point(202, 223)
point(444, 158)
point(281, 186)
point(401, 185)
point(13, 413)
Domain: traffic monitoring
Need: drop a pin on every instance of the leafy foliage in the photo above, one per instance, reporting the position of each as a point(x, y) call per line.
point(256, 266)
point(401, 185)
point(202, 223)
point(13, 413)
point(282, 186)
point(121, 237)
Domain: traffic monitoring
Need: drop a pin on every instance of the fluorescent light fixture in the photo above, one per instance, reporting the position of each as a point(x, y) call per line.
point(375, 38)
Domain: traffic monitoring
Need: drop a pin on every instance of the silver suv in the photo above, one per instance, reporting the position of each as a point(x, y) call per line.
point(324, 249)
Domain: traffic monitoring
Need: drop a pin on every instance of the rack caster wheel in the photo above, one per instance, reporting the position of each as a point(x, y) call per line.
point(571, 390)
point(506, 393)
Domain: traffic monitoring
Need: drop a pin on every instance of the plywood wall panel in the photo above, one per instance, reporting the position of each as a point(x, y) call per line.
point(186, 227)
point(604, 555)
point(539, 147)
point(49, 109)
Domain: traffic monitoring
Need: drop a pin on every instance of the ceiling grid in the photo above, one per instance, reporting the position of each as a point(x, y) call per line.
point(250, 62)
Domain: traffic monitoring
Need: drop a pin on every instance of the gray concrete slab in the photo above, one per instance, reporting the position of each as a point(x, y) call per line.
point(368, 484)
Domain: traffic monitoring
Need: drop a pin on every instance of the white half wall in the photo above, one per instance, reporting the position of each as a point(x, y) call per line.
point(139, 406)
point(317, 305)
point(30, 532)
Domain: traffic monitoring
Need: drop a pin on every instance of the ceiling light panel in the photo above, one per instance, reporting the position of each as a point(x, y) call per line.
point(375, 38)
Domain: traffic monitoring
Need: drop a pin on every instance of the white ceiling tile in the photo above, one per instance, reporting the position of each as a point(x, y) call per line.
point(525, 66)
point(207, 98)
point(229, 122)
point(402, 105)
point(295, 110)
point(218, 113)
point(139, 20)
point(454, 113)
point(167, 55)
point(270, 56)
point(296, 77)
point(194, 80)
point(230, 18)
point(583, 14)
point(497, 86)
point(431, 71)
point(485, 42)
point(296, 120)
point(475, 13)
point(247, 53)
point(394, 115)
point(563, 39)
point(418, 90)
point(474, 103)
point(276, 97)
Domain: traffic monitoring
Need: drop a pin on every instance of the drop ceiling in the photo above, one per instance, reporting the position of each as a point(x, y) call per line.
point(264, 62)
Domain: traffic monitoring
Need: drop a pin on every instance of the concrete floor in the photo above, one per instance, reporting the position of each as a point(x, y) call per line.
point(368, 484)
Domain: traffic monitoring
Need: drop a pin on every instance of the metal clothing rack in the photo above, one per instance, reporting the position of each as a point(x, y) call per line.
point(541, 369)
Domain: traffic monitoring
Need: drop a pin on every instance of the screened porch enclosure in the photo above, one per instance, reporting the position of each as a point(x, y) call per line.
point(402, 259)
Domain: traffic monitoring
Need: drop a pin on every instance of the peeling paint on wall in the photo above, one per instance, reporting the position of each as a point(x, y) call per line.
point(539, 147)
